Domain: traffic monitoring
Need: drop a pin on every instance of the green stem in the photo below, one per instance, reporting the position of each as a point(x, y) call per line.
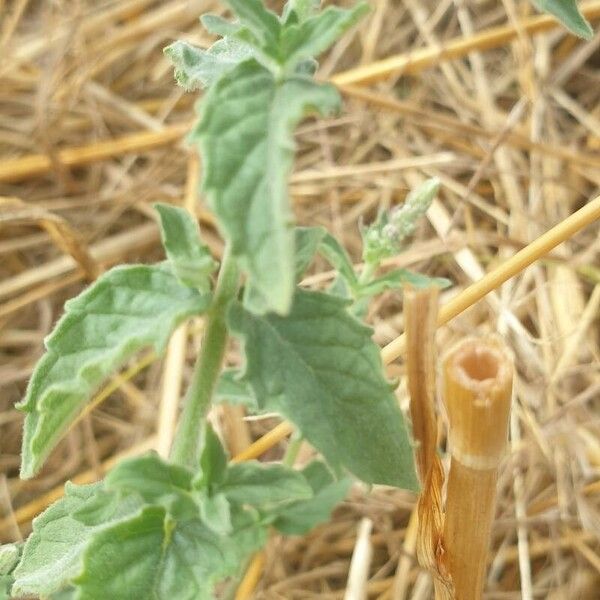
point(367, 273)
point(292, 450)
point(186, 446)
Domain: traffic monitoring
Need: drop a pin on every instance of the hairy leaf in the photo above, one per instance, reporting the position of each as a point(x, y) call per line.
point(218, 25)
point(337, 256)
point(156, 481)
point(320, 369)
point(300, 517)
point(398, 278)
point(52, 553)
point(149, 555)
point(149, 476)
point(339, 287)
point(197, 69)
point(264, 486)
point(213, 460)
point(68, 593)
point(197, 558)
point(6, 582)
point(194, 561)
point(262, 22)
point(109, 544)
point(300, 9)
point(315, 34)
point(232, 389)
point(189, 257)
point(9, 557)
point(306, 243)
point(125, 310)
point(121, 561)
point(216, 513)
point(307, 240)
point(101, 507)
point(568, 14)
point(245, 135)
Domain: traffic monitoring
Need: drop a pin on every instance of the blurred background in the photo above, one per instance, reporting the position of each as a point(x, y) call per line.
point(92, 132)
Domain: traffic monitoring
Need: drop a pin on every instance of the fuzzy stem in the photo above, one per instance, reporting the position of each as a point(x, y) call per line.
point(186, 447)
point(477, 393)
point(367, 273)
point(292, 451)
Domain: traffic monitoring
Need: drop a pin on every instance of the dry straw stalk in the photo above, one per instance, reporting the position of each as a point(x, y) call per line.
point(420, 314)
point(409, 63)
point(560, 233)
point(477, 390)
point(414, 62)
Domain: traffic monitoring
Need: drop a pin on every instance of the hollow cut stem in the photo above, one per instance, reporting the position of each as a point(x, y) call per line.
point(477, 393)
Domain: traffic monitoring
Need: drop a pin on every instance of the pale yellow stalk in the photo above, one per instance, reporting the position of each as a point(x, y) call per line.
point(477, 390)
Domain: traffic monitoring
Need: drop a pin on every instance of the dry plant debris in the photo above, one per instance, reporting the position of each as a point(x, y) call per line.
point(512, 130)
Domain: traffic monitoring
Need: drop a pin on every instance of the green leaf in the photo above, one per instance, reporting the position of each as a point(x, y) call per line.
point(197, 69)
point(339, 287)
point(306, 243)
point(151, 556)
point(156, 481)
point(307, 240)
point(216, 513)
point(249, 535)
point(218, 25)
point(129, 550)
point(69, 593)
point(190, 258)
point(300, 517)
point(397, 279)
point(337, 256)
point(245, 136)
point(320, 369)
point(125, 310)
point(150, 476)
point(102, 507)
point(52, 553)
point(568, 14)
point(6, 582)
point(264, 486)
point(213, 460)
point(232, 389)
point(300, 9)
point(317, 33)
point(197, 558)
point(9, 557)
point(262, 22)
point(122, 560)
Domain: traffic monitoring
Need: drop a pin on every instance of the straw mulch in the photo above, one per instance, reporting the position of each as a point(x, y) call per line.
point(89, 104)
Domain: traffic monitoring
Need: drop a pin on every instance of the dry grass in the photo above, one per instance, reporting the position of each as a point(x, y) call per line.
point(91, 135)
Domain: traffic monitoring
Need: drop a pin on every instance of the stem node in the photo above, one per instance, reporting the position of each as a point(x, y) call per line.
point(477, 392)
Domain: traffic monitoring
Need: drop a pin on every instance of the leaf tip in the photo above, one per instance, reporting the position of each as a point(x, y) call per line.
point(587, 33)
point(28, 469)
point(361, 9)
point(184, 58)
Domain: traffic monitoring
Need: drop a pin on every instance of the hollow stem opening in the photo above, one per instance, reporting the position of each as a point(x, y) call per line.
point(479, 364)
